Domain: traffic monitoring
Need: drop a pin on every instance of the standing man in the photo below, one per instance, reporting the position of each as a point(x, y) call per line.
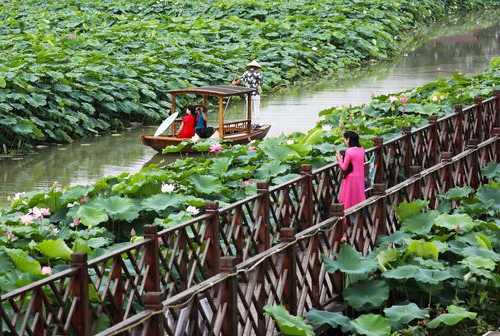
point(252, 78)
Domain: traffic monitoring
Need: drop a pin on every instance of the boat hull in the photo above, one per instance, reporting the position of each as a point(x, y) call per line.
point(160, 142)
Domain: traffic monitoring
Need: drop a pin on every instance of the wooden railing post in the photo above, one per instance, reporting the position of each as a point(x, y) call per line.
point(228, 296)
point(378, 142)
point(496, 122)
point(474, 165)
point(379, 190)
point(407, 150)
point(307, 219)
point(152, 257)
point(80, 289)
point(458, 134)
point(417, 188)
point(37, 309)
point(496, 132)
point(263, 235)
point(212, 234)
point(155, 324)
point(289, 270)
point(478, 119)
point(434, 146)
point(337, 210)
point(447, 177)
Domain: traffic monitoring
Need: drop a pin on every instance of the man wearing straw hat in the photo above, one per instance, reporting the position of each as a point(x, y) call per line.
point(252, 78)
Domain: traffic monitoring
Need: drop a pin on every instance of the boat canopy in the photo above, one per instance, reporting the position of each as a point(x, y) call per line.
point(215, 90)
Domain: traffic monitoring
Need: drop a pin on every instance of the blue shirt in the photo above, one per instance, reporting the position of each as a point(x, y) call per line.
point(200, 121)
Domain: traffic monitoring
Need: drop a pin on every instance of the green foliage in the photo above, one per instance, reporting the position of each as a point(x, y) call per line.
point(455, 315)
point(288, 324)
point(372, 325)
point(319, 318)
point(402, 315)
point(55, 249)
point(366, 294)
point(350, 261)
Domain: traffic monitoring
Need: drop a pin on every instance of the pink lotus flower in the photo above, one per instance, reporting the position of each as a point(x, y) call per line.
point(40, 212)
point(75, 222)
point(215, 148)
point(46, 270)
point(10, 236)
point(403, 100)
point(27, 219)
point(252, 149)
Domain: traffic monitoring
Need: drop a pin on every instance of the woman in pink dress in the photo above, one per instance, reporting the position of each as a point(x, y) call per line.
point(352, 188)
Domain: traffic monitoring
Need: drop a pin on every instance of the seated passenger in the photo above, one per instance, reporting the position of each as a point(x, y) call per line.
point(187, 126)
point(202, 130)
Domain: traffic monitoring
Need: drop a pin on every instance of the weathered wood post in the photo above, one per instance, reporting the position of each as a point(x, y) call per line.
point(474, 164)
point(479, 119)
point(378, 142)
point(337, 210)
point(151, 258)
point(212, 234)
point(80, 289)
point(37, 309)
point(228, 294)
point(496, 122)
point(458, 134)
point(447, 177)
point(307, 198)
point(380, 222)
point(289, 271)
point(182, 259)
point(118, 295)
point(264, 233)
point(155, 324)
point(433, 142)
point(417, 187)
point(496, 132)
point(407, 150)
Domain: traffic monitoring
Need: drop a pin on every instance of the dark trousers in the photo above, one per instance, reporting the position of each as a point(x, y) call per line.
point(205, 132)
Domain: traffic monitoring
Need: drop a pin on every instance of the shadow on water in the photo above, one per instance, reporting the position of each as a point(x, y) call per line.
point(295, 109)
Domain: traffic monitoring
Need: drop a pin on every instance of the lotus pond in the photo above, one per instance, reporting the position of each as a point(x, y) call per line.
point(83, 68)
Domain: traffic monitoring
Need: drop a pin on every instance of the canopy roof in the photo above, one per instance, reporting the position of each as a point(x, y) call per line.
point(215, 90)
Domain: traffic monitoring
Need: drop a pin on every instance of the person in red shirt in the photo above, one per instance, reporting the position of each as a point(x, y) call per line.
point(188, 122)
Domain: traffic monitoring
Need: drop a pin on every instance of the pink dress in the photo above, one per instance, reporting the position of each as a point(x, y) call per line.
point(352, 188)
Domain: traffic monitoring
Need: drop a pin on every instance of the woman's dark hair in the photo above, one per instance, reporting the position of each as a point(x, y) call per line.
point(352, 139)
point(190, 108)
point(201, 108)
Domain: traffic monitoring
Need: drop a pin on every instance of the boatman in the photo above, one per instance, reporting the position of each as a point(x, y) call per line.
point(252, 78)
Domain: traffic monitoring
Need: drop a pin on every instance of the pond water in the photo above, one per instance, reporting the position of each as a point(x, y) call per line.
point(296, 109)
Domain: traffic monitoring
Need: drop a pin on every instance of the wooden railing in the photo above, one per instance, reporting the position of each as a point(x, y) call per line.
point(111, 288)
point(291, 272)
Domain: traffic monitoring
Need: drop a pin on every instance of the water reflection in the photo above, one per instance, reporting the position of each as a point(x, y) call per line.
point(294, 110)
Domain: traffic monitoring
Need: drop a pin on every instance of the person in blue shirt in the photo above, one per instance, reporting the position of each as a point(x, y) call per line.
point(201, 128)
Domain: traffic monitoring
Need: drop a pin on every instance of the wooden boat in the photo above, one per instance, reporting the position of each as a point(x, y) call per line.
point(235, 132)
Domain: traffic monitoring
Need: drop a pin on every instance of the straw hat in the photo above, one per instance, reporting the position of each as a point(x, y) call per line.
point(254, 64)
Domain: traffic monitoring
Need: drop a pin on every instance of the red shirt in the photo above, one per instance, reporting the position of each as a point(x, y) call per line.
point(187, 130)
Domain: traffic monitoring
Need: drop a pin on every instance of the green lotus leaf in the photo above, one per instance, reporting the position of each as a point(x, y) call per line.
point(402, 272)
point(55, 249)
point(489, 196)
point(24, 262)
point(301, 149)
point(423, 249)
point(479, 262)
point(118, 208)
point(90, 215)
point(74, 194)
point(206, 184)
point(161, 202)
point(366, 294)
point(319, 318)
point(284, 178)
point(350, 261)
point(406, 210)
point(458, 193)
point(386, 257)
point(483, 241)
point(270, 169)
point(420, 223)
point(455, 315)
point(432, 276)
point(491, 171)
point(372, 325)
point(275, 150)
point(81, 246)
point(395, 238)
point(402, 315)
point(220, 166)
point(456, 222)
point(480, 252)
point(288, 324)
